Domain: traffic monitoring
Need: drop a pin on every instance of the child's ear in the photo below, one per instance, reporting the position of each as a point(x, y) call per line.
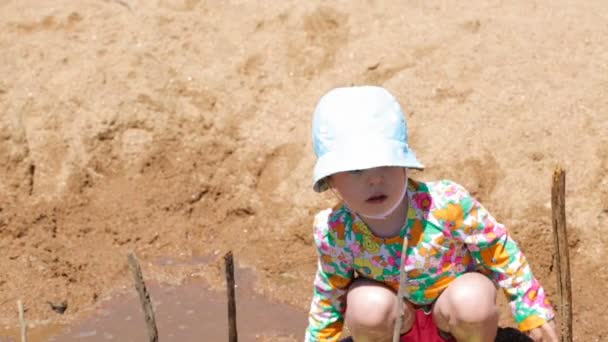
point(327, 181)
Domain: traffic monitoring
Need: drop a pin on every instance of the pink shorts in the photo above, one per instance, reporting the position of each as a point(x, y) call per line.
point(424, 329)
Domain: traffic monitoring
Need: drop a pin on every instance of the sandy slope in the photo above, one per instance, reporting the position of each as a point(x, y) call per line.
point(181, 127)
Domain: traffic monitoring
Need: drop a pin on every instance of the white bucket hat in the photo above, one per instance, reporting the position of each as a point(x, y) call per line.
point(358, 128)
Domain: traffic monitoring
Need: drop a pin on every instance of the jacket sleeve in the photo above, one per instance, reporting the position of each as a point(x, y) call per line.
point(334, 274)
point(493, 249)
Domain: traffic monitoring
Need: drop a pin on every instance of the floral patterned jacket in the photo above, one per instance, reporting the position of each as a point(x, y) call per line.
point(449, 233)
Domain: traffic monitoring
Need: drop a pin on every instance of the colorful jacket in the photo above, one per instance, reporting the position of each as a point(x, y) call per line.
point(449, 233)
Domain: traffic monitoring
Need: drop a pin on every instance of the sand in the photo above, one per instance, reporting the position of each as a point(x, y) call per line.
point(181, 128)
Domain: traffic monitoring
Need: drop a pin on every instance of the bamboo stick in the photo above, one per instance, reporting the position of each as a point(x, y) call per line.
point(562, 258)
point(22, 321)
point(144, 297)
point(400, 293)
point(232, 332)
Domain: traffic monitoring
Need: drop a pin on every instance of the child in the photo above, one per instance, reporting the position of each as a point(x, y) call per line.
point(457, 253)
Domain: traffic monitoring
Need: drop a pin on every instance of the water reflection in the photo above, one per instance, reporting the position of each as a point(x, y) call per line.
point(187, 312)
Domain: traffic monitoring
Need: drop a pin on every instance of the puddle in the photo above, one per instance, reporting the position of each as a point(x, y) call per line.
point(187, 312)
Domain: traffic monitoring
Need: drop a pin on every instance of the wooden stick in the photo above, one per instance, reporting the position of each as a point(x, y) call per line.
point(144, 297)
point(232, 333)
point(400, 293)
point(22, 322)
point(562, 259)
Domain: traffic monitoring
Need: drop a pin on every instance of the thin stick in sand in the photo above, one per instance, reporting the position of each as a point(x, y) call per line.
point(562, 258)
point(400, 293)
point(232, 333)
point(22, 322)
point(144, 297)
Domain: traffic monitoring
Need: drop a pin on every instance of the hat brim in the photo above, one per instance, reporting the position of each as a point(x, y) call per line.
point(360, 156)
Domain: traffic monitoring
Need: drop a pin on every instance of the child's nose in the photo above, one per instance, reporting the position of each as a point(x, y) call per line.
point(375, 177)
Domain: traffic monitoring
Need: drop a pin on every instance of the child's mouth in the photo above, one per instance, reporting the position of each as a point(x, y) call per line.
point(376, 199)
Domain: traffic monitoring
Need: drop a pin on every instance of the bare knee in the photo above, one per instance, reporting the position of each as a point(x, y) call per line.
point(369, 305)
point(471, 298)
point(371, 311)
point(467, 309)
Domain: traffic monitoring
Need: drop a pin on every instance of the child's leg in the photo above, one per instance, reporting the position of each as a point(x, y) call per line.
point(467, 309)
point(371, 309)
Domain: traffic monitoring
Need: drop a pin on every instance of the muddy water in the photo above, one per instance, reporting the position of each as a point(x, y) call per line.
point(188, 312)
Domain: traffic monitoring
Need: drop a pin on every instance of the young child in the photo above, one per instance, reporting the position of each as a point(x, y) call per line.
point(457, 254)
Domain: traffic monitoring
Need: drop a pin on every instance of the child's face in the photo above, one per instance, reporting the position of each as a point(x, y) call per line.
point(371, 191)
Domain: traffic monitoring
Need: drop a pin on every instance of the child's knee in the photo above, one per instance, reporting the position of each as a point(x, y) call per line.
point(371, 307)
point(471, 298)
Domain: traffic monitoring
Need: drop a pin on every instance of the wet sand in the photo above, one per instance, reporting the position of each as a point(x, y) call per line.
point(187, 312)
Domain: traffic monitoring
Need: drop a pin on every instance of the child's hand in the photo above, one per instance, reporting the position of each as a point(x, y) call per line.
point(544, 333)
